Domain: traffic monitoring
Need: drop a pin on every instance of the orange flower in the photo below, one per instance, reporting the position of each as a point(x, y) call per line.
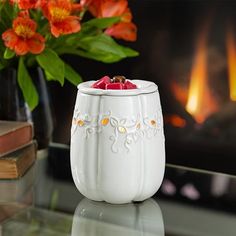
point(22, 38)
point(109, 8)
point(58, 12)
point(105, 8)
point(24, 13)
point(92, 5)
point(28, 4)
point(123, 30)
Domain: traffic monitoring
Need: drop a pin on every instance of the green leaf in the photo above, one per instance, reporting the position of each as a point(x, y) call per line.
point(101, 44)
point(1, 66)
point(102, 48)
point(25, 82)
point(103, 57)
point(8, 54)
point(92, 27)
point(71, 75)
point(7, 13)
point(15, 11)
point(129, 52)
point(52, 64)
point(2, 63)
point(102, 23)
point(1, 5)
point(49, 77)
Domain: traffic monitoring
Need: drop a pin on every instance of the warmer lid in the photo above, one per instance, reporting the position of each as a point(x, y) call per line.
point(143, 87)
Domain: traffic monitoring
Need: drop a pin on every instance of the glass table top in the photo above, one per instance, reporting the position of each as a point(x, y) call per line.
point(46, 202)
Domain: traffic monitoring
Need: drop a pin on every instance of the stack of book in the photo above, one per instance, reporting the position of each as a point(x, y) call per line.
point(17, 149)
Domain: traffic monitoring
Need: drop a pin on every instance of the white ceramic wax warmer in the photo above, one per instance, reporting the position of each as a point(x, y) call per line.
point(117, 143)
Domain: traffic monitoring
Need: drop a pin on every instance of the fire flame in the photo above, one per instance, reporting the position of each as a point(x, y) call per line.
point(200, 102)
point(180, 92)
point(175, 120)
point(231, 53)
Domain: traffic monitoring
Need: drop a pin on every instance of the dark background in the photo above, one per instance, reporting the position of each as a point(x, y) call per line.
point(167, 31)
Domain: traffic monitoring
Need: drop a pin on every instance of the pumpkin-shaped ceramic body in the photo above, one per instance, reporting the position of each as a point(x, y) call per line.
point(99, 218)
point(117, 143)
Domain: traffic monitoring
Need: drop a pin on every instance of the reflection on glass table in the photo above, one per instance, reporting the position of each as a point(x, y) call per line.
point(46, 202)
point(98, 218)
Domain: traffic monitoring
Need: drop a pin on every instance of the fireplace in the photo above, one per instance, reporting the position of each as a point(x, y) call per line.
point(196, 64)
point(189, 49)
point(200, 116)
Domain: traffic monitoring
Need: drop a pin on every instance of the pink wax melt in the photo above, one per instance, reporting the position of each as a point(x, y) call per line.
point(102, 82)
point(117, 82)
point(115, 86)
point(129, 85)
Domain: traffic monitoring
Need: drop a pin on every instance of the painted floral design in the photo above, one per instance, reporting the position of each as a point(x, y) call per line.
point(125, 131)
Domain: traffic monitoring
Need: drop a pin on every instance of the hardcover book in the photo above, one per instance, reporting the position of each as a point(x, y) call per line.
point(15, 164)
point(13, 135)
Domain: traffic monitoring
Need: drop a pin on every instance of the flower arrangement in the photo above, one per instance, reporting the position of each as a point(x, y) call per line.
point(38, 32)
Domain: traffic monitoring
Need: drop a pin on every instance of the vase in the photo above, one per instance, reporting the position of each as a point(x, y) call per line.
point(117, 143)
point(13, 107)
point(42, 114)
point(99, 218)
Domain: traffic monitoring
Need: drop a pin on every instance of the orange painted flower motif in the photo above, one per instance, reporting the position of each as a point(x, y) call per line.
point(58, 12)
point(109, 8)
point(22, 38)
